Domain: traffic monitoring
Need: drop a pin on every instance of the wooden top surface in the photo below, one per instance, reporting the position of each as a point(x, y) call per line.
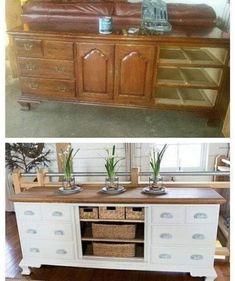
point(91, 31)
point(132, 195)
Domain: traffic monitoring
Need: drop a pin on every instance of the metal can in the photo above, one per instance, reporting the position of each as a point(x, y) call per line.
point(105, 25)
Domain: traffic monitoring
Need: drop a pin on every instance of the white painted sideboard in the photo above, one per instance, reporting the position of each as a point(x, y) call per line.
point(177, 237)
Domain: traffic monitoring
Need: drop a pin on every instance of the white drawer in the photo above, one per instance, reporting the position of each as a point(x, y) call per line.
point(202, 214)
point(168, 214)
point(56, 212)
point(193, 235)
point(48, 249)
point(46, 231)
point(183, 256)
point(28, 211)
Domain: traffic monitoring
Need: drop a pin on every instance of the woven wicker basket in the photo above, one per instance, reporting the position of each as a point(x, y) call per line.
point(134, 213)
point(114, 250)
point(113, 231)
point(88, 212)
point(117, 213)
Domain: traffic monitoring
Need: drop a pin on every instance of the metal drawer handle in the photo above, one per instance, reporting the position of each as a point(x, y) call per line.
point(61, 252)
point(28, 46)
point(166, 236)
point(31, 231)
point(164, 256)
point(57, 214)
point(33, 85)
point(198, 236)
point(59, 232)
point(34, 250)
point(200, 216)
point(60, 68)
point(28, 213)
point(166, 215)
point(62, 89)
point(196, 257)
point(30, 66)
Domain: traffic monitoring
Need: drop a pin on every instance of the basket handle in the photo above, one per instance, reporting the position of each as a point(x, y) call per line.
point(137, 209)
point(110, 208)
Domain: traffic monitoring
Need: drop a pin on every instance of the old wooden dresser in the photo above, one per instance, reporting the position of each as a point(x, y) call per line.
point(182, 70)
point(174, 232)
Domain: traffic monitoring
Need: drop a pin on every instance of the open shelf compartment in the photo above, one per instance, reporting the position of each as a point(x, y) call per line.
point(185, 96)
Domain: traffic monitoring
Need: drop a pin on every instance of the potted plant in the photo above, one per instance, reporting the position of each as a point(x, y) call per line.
point(111, 161)
point(155, 180)
point(66, 157)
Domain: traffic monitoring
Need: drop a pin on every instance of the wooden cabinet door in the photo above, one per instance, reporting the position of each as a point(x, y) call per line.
point(95, 71)
point(134, 66)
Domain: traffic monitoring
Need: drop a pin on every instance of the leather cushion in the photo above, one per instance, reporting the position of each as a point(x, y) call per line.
point(49, 8)
point(192, 11)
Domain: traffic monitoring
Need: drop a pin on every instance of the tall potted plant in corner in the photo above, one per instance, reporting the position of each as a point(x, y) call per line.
point(66, 157)
point(111, 161)
point(155, 180)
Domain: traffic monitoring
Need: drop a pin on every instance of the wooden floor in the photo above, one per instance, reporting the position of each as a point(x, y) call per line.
point(56, 273)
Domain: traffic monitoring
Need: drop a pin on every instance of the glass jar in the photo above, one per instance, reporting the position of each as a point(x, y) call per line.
point(68, 183)
point(156, 183)
point(112, 183)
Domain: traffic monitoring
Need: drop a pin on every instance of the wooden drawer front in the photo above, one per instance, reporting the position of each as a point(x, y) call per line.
point(48, 249)
point(202, 214)
point(58, 50)
point(47, 87)
point(193, 235)
point(56, 213)
point(28, 211)
point(49, 231)
point(28, 48)
point(46, 68)
point(179, 256)
point(168, 214)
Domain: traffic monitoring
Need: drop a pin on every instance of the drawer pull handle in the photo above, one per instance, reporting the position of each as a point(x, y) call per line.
point(164, 256)
point(57, 214)
point(137, 209)
point(59, 232)
point(111, 208)
point(28, 46)
point(60, 68)
point(196, 257)
point(200, 216)
point(198, 236)
point(61, 252)
point(166, 236)
point(31, 231)
point(30, 66)
point(34, 250)
point(88, 210)
point(166, 215)
point(33, 85)
point(62, 89)
point(28, 213)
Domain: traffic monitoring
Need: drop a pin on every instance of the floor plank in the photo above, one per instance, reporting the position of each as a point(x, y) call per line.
point(59, 273)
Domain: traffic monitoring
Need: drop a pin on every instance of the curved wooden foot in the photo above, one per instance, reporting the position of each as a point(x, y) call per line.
point(25, 270)
point(209, 278)
point(210, 275)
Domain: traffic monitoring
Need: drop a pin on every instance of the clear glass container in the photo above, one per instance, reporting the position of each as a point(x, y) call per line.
point(68, 183)
point(112, 183)
point(156, 183)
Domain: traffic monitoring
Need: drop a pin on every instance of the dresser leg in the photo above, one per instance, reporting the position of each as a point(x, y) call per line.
point(24, 105)
point(25, 270)
point(209, 278)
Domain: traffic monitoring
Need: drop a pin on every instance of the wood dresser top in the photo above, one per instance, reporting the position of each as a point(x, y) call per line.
point(132, 195)
point(199, 35)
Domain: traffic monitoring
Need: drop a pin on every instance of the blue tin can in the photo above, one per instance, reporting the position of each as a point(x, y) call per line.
point(105, 25)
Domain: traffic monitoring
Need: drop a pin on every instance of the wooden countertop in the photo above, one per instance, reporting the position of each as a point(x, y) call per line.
point(178, 34)
point(132, 195)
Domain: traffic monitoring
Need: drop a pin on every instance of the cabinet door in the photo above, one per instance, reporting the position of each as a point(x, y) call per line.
point(95, 71)
point(134, 68)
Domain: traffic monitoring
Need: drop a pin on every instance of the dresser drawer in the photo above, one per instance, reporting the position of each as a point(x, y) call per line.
point(28, 47)
point(56, 212)
point(53, 231)
point(182, 256)
point(202, 214)
point(48, 87)
point(191, 235)
point(58, 50)
point(48, 249)
point(46, 68)
point(168, 214)
point(28, 211)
